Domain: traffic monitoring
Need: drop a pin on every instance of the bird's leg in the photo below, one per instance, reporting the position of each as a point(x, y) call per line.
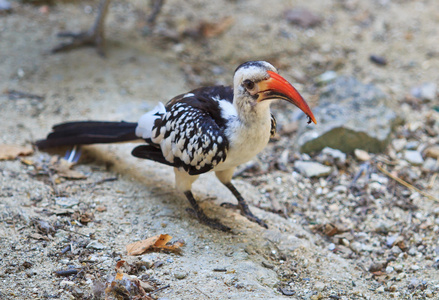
point(183, 183)
point(225, 177)
point(92, 37)
point(242, 205)
point(198, 212)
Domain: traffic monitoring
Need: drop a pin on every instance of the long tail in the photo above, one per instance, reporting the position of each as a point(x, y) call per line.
point(89, 132)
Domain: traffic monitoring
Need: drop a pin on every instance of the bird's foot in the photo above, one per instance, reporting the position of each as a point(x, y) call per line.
point(213, 223)
point(84, 38)
point(245, 211)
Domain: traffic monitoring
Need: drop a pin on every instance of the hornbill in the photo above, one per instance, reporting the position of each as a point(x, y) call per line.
point(208, 129)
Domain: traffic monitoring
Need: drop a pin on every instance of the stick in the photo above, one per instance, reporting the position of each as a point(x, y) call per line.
point(406, 184)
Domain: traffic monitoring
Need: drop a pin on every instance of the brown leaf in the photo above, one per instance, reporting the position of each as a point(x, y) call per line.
point(38, 236)
point(330, 229)
point(8, 152)
point(124, 286)
point(163, 240)
point(155, 243)
point(141, 247)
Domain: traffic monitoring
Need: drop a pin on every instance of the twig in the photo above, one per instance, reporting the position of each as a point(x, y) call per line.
point(160, 289)
point(406, 184)
point(208, 297)
point(14, 94)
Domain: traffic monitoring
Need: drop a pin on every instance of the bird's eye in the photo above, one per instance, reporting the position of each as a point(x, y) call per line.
point(248, 84)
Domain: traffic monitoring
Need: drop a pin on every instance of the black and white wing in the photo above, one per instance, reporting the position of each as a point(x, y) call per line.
point(190, 134)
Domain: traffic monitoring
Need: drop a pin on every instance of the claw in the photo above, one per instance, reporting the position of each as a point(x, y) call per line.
point(245, 212)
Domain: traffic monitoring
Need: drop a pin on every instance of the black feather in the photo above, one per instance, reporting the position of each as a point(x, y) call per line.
point(88, 132)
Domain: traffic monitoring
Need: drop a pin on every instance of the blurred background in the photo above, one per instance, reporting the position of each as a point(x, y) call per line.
point(361, 184)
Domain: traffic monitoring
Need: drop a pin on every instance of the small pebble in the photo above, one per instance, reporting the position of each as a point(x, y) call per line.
point(95, 245)
point(379, 60)
point(5, 6)
point(431, 164)
point(361, 155)
point(399, 144)
point(415, 267)
point(380, 289)
point(180, 274)
point(389, 269)
point(312, 169)
point(396, 250)
point(413, 157)
point(427, 91)
point(66, 202)
point(326, 77)
point(335, 153)
point(432, 152)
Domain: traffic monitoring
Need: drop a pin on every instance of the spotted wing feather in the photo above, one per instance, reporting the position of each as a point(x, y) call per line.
point(190, 135)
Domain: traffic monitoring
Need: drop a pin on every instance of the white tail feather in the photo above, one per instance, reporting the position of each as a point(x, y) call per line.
point(146, 122)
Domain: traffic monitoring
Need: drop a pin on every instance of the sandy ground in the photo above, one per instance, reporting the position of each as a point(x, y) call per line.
point(141, 70)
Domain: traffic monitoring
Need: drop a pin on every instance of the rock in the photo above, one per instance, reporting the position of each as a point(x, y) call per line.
point(351, 115)
point(95, 245)
point(412, 145)
point(326, 77)
point(312, 169)
point(427, 91)
point(302, 17)
point(396, 250)
point(66, 202)
point(415, 267)
point(335, 153)
point(319, 286)
point(379, 60)
point(432, 152)
point(180, 274)
point(391, 240)
point(414, 157)
point(5, 6)
point(399, 144)
point(389, 269)
point(361, 155)
point(431, 164)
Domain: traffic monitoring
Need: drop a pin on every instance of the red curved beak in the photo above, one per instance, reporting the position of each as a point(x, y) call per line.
point(277, 87)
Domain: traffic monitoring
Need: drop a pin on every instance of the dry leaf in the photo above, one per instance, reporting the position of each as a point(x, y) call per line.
point(155, 243)
point(8, 152)
point(141, 247)
point(38, 236)
point(124, 286)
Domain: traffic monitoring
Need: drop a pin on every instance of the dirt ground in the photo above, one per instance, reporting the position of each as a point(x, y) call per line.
point(128, 200)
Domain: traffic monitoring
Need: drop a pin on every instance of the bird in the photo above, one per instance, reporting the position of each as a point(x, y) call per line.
point(209, 129)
